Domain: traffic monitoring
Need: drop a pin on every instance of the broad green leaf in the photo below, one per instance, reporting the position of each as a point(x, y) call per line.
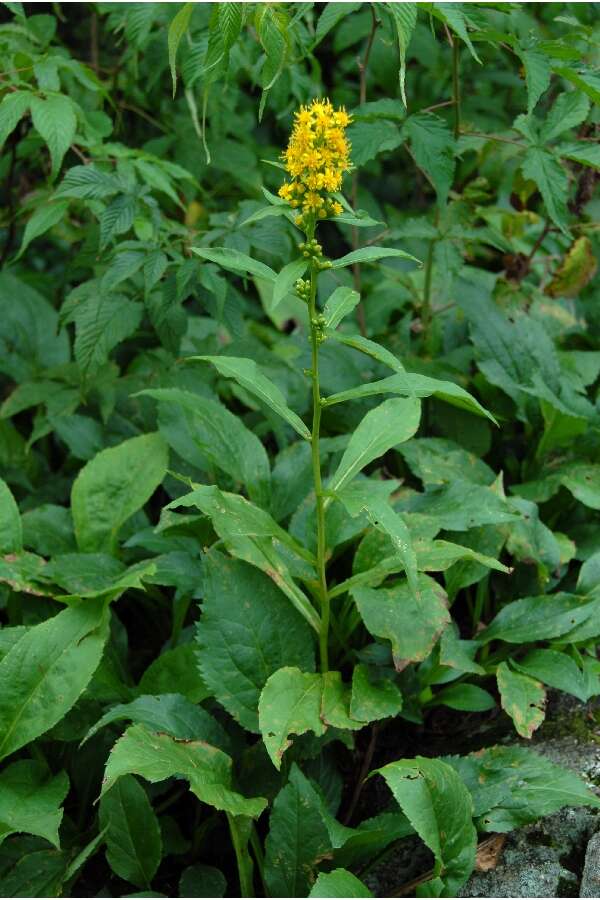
point(290, 703)
point(537, 75)
point(411, 623)
point(373, 698)
point(558, 670)
point(102, 322)
point(411, 384)
point(459, 654)
point(453, 15)
point(539, 618)
point(40, 873)
point(405, 19)
point(30, 800)
point(286, 279)
point(568, 111)
point(583, 481)
point(202, 881)
point(235, 261)
point(523, 698)
point(112, 487)
point(585, 80)
point(230, 22)
point(266, 213)
point(465, 697)
point(178, 27)
point(202, 430)
point(463, 505)
point(339, 305)
point(440, 809)
point(88, 183)
point(513, 786)
point(247, 631)
point(11, 530)
point(117, 218)
point(391, 423)
point(156, 757)
point(339, 883)
point(45, 672)
point(581, 152)
point(545, 170)
point(297, 839)
point(13, 107)
point(371, 254)
point(133, 840)
point(54, 118)
point(332, 14)
point(437, 461)
point(172, 714)
point(432, 146)
point(175, 666)
point(252, 535)
point(248, 375)
point(44, 217)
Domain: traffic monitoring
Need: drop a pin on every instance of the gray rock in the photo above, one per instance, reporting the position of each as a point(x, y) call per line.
point(590, 880)
point(525, 871)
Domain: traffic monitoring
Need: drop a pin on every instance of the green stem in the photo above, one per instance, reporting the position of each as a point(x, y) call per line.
point(426, 305)
point(456, 87)
point(316, 465)
point(244, 860)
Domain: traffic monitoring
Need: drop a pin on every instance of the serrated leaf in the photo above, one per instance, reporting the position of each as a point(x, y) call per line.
point(544, 169)
point(117, 218)
point(405, 19)
point(247, 373)
point(523, 698)
point(156, 757)
point(31, 799)
point(432, 145)
point(88, 183)
point(101, 322)
point(230, 22)
point(585, 153)
point(132, 832)
point(12, 109)
point(43, 218)
point(56, 122)
point(46, 670)
point(332, 14)
point(537, 74)
point(247, 631)
point(440, 809)
point(178, 27)
point(568, 111)
point(113, 486)
point(11, 530)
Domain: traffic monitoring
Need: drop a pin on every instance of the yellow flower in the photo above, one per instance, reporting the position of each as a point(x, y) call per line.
point(316, 158)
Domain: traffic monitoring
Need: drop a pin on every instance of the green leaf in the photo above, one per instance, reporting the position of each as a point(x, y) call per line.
point(179, 25)
point(12, 109)
point(202, 881)
point(252, 534)
point(230, 22)
point(432, 146)
point(411, 623)
point(55, 120)
point(440, 809)
point(46, 670)
point(43, 218)
point(331, 16)
point(539, 618)
point(369, 348)
point(175, 666)
point(370, 254)
point(523, 698)
point(247, 631)
point(286, 279)
point(102, 322)
point(339, 305)
point(37, 874)
point(203, 431)
point(585, 80)
point(339, 883)
point(297, 839)
point(545, 170)
point(11, 530)
point(512, 787)
point(373, 698)
point(465, 697)
point(568, 111)
point(30, 800)
point(172, 714)
point(266, 213)
point(156, 757)
point(248, 375)
point(88, 183)
point(453, 15)
point(537, 75)
point(581, 152)
point(133, 840)
point(558, 671)
point(117, 218)
point(405, 19)
point(391, 423)
point(234, 261)
point(112, 487)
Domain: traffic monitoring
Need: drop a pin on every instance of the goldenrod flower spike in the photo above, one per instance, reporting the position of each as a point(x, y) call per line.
point(317, 156)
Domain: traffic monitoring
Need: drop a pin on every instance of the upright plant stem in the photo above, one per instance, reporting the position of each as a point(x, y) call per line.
point(316, 465)
point(426, 306)
point(456, 87)
point(244, 861)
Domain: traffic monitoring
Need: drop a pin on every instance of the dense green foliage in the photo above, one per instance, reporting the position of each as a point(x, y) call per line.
point(193, 629)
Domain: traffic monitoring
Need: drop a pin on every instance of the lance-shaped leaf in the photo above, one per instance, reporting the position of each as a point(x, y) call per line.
point(248, 375)
point(156, 757)
point(234, 261)
point(247, 631)
point(369, 348)
point(133, 840)
point(45, 671)
point(411, 622)
point(30, 800)
point(523, 698)
point(405, 19)
point(411, 384)
point(539, 618)
point(11, 531)
point(339, 305)
point(440, 809)
point(391, 423)
point(287, 278)
point(371, 254)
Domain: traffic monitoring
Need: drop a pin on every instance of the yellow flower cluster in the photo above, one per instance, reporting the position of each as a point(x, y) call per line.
point(317, 156)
